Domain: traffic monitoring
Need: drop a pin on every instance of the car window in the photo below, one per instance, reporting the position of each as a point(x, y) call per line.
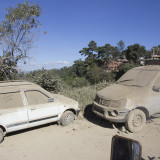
point(36, 97)
point(11, 100)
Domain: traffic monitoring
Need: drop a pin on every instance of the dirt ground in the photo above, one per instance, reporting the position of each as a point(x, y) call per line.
point(85, 139)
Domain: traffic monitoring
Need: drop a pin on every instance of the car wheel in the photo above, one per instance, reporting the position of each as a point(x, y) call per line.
point(67, 118)
point(135, 121)
point(1, 135)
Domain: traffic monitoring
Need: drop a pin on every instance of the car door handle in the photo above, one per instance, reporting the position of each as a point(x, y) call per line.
point(33, 109)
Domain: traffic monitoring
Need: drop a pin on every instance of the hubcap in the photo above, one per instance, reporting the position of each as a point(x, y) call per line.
point(69, 119)
point(137, 121)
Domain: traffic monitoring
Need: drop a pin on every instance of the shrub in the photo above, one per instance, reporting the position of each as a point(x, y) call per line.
point(110, 77)
point(96, 75)
point(80, 82)
point(123, 68)
point(84, 95)
point(45, 80)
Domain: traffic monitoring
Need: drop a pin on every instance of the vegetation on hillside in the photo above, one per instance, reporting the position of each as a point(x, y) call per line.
point(95, 68)
point(79, 81)
point(83, 79)
point(84, 95)
point(17, 34)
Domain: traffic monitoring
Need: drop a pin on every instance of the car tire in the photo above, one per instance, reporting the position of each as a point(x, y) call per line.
point(135, 121)
point(67, 118)
point(1, 135)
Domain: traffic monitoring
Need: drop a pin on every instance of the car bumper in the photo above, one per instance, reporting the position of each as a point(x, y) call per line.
point(111, 114)
point(77, 112)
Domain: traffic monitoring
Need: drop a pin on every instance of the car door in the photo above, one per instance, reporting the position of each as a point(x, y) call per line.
point(154, 99)
point(40, 109)
point(13, 113)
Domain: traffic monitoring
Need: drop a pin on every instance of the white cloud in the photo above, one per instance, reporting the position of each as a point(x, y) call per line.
point(56, 62)
point(30, 66)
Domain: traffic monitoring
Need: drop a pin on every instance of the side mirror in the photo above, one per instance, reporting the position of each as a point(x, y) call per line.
point(156, 88)
point(51, 100)
point(125, 149)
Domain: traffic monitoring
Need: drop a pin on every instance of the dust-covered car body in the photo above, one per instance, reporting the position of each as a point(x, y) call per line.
point(25, 104)
point(139, 88)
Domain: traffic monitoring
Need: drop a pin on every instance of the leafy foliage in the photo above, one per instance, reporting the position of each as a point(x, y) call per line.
point(45, 80)
point(96, 74)
point(90, 52)
point(134, 52)
point(123, 68)
point(94, 69)
point(84, 95)
point(121, 47)
point(102, 53)
point(16, 37)
point(80, 82)
point(107, 52)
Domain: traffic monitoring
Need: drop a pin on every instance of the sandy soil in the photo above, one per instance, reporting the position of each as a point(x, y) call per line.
point(84, 139)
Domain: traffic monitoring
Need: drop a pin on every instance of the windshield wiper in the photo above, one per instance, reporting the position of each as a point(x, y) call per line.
point(135, 85)
point(125, 80)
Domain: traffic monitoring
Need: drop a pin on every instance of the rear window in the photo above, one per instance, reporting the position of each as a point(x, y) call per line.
point(10, 100)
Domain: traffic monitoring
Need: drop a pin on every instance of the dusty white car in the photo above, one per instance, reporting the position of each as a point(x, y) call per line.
point(135, 96)
point(24, 105)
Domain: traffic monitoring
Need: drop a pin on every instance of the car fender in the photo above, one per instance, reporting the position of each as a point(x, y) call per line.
point(3, 128)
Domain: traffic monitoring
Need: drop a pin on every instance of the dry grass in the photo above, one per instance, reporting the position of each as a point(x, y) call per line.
point(84, 95)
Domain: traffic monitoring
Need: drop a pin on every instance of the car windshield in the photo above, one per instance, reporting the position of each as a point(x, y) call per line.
point(135, 77)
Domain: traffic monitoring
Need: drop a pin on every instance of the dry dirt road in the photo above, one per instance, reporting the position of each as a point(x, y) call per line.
point(83, 140)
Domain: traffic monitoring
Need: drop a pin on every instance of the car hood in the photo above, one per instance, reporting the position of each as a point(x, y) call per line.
point(118, 92)
point(64, 100)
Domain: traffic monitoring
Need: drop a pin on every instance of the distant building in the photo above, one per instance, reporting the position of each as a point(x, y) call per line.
point(156, 52)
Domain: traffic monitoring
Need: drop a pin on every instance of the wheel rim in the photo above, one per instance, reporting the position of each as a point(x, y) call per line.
point(69, 118)
point(137, 121)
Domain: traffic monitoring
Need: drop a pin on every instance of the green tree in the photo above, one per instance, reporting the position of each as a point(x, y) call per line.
point(67, 74)
point(80, 82)
point(134, 52)
point(107, 52)
point(104, 52)
point(123, 68)
point(46, 80)
point(121, 48)
point(90, 51)
point(17, 34)
point(80, 68)
point(148, 54)
point(96, 74)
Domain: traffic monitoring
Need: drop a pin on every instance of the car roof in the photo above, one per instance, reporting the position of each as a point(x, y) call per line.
point(13, 86)
point(148, 68)
point(14, 83)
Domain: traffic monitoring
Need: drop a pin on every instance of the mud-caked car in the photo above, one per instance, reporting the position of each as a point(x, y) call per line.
point(24, 105)
point(135, 96)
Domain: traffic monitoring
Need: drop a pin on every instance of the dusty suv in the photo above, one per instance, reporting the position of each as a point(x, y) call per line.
point(132, 98)
point(24, 105)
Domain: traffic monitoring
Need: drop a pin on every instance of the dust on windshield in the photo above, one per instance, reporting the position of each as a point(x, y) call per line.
point(135, 77)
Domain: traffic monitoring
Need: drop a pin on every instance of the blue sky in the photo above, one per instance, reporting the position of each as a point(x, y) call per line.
point(72, 24)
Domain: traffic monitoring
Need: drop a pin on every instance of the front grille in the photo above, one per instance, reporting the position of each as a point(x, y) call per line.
point(98, 109)
point(102, 101)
